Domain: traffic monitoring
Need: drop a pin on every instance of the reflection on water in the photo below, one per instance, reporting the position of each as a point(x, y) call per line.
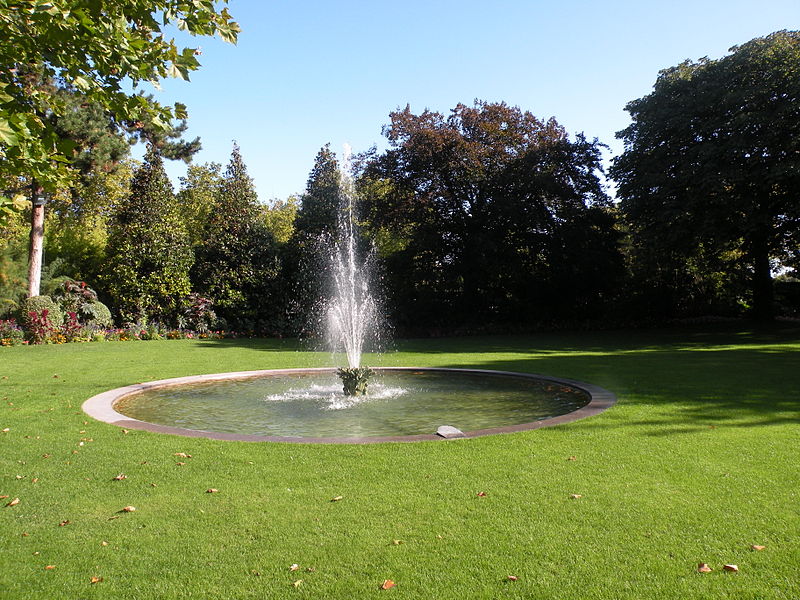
point(312, 405)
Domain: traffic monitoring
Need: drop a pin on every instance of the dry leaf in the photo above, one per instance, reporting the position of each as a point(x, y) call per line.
point(336, 498)
point(95, 580)
point(397, 542)
point(183, 455)
point(757, 547)
point(63, 523)
point(180, 464)
point(120, 477)
point(128, 509)
point(387, 584)
point(4, 496)
point(125, 431)
point(104, 543)
point(6, 430)
point(310, 569)
point(294, 567)
point(50, 567)
point(46, 455)
point(573, 458)
point(704, 568)
point(212, 491)
point(482, 494)
point(14, 502)
point(297, 583)
point(575, 496)
point(34, 480)
point(731, 568)
point(512, 578)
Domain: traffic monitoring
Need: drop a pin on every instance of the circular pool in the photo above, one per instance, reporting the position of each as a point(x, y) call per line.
point(307, 405)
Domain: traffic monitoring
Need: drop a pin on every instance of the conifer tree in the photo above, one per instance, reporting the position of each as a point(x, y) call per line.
point(149, 258)
point(237, 265)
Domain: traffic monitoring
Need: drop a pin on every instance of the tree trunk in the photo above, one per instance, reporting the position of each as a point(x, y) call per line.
point(36, 246)
point(763, 291)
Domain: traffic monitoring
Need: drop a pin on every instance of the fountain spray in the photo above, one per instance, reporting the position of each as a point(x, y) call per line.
point(352, 310)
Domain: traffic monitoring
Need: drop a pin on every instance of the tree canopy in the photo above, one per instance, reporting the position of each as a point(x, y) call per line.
point(487, 213)
point(105, 51)
point(712, 161)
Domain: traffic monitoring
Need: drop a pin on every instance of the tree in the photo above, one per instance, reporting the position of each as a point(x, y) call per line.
point(305, 256)
point(490, 214)
point(102, 49)
point(149, 256)
point(712, 162)
point(237, 263)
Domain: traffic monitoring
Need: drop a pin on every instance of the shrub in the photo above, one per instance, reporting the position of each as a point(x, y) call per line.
point(11, 334)
point(78, 297)
point(36, 305)
point(96, 314)
point(40, 328)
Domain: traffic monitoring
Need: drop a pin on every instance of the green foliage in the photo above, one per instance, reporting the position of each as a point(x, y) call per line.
point(305, 255)
point(11, 334)
point(711, 165)
point(149, 256)
point(13, 264)
point(78, 298)
point(199, 190)
point(490, 215)
point(40, 316)
point(101, 50)
point(237, 263)
point(280, 217)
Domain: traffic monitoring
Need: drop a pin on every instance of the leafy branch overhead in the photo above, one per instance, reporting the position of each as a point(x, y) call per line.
point(105, 51)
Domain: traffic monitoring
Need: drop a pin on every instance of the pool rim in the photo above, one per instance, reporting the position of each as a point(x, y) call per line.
point(101, 407)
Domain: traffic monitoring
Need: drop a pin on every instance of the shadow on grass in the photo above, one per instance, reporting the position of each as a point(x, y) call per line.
point(685, 380)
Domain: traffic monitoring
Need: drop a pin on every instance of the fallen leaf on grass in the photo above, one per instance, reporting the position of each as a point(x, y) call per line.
point(297, 583)
point(104, 543)
point(310, 569)
point(14, 502)
point(336, 498)
point(183, 455)
point(95, 579)
point(397, 542)
point(212, 491)
point(294, 567)
point(4, 496)
point(180, 464)
point(63, 523)
point(704, 568)
point(512, 577)
point(731, 568)
point(34, 480)
point(482, 494)
point(387, 584)
point(757, 547)
point(120, 477)
point(125, 431)
point(6, 430)
point(576, 496)
point(50, 567)
point(128, 509)
point(573, 458)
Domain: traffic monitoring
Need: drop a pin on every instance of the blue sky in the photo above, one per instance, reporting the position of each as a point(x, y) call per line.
point(307, 73)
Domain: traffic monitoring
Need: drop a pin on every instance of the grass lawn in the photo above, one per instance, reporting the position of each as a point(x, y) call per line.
point(697, 462)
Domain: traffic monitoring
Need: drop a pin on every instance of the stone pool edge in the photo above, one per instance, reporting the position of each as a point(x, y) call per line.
point(101, 407)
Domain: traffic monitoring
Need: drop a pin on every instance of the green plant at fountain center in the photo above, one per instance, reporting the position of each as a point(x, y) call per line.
point(354, 380)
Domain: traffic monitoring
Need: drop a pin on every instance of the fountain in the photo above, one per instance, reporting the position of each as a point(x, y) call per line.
point(351, 310)
point(304, 405)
